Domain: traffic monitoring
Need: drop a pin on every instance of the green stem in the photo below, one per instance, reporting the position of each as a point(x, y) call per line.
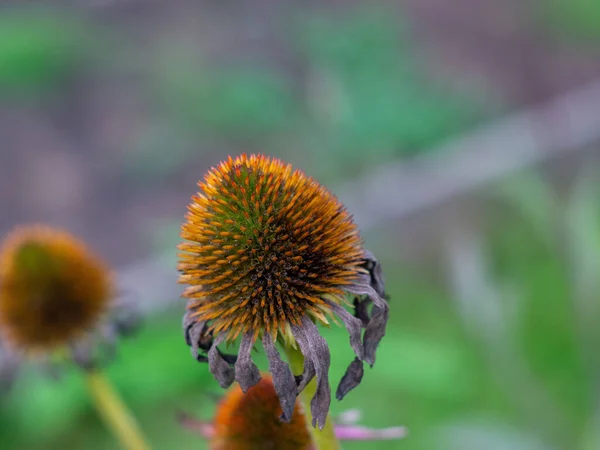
point(115, 414)
point(323, 439)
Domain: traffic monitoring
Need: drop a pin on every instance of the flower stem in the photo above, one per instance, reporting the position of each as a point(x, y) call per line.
point(323, 439)
point(114, 412)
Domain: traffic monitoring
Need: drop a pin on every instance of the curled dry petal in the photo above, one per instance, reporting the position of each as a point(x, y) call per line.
point(351, 378)
point(246, 372)
point(218, 366)
point(314, 347)
point(283, 379)
point(376, 327)
point(376, 280)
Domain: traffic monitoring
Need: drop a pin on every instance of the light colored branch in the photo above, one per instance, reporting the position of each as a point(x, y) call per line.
point(568, 124)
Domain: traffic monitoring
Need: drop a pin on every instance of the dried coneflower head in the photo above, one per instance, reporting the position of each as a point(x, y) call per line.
point(269, 253)
point(251, 422)
point(58, 299)
point(52, 289)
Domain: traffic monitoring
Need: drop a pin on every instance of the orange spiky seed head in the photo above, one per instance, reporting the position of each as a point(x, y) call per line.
point(251, 421)
point(269, 252)
point(52, 289)
point(265, 245)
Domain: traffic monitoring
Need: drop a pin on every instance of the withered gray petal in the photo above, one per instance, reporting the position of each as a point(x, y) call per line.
point(192, 329)
point(246, 372)
point(376, 327)
point(283, 379)
point(231, 359)
point(194, 337)
point(187, 323)
point(309, 371)
point(199, 339)
point(220, 369)
point(361, 311)
point(377, 281)
point(314, 347)
point(351, 378)
point(353, 325)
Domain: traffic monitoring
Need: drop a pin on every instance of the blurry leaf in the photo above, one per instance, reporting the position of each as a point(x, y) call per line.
point(583, 234)
point(425, 367)
point(158, 153)
point(37, 50)
point(590, 437)
point(41, 407)
point(573, 18)
point(236, 103)
point(479, 434)
point(363, 40)
point(369, 100)
point(534, 200)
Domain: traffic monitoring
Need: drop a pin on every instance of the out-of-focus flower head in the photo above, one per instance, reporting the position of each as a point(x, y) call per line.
point(251, 421)
point(268, 253)
point(55, 294)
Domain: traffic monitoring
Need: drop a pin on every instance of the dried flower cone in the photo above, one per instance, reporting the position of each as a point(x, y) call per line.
point(268, 252)
point(52, 289)
point(251, 422)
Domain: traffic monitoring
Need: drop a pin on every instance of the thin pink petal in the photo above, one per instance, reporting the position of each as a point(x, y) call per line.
point(205, 429)
point(358, 433)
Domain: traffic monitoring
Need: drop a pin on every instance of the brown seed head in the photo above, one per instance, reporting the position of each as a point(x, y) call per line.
point(52, 289)
point(265, 245)
point(251, 421)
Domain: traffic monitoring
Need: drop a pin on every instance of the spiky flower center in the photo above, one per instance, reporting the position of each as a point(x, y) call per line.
point(251, 421)
point(51, 288)
point(265, 245)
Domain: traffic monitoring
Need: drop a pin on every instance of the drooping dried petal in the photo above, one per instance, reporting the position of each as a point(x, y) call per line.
point(351, 378)
point(220, 369)
point(377, 324)
point(361, 310)
point(246, 372)
point(283, 379)
point(373, 266)
point(195, 336)
point(314, 347)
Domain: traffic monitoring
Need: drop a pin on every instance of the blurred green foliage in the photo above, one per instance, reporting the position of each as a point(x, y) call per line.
point(37, 51)
point(574, 19)
point(363, 97)
point(372, 100)
point(243, 102)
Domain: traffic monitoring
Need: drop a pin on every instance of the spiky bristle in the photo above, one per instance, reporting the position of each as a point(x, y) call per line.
point(51, 288)
point(264, 245)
